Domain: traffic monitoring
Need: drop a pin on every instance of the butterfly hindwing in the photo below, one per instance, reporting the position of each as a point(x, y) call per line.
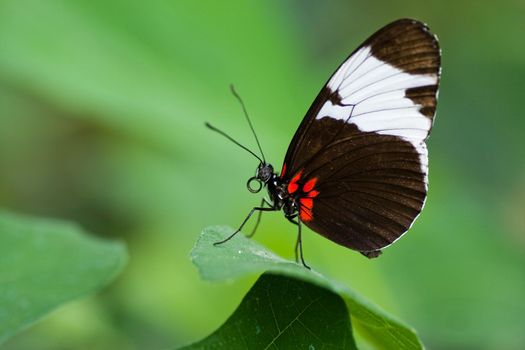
point(362, 142)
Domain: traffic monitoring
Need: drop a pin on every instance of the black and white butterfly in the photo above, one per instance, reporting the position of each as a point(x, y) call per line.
point(356, 171)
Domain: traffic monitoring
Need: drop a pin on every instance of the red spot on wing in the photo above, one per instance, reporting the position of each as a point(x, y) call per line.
point(293, 186)
point(312, 194)
point(306, 215)
point(283, 171)
point(306, 196)
point(306, 205)
point(309, 185)
point(306, 202)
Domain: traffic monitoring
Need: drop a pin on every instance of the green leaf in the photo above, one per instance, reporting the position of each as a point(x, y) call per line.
point(45, 263)
point(241, 256)
point(280, 312)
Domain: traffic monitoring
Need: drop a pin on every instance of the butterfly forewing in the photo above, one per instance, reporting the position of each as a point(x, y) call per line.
point(362, 142)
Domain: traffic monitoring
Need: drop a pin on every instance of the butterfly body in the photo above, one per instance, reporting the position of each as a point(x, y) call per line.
point(280, 198)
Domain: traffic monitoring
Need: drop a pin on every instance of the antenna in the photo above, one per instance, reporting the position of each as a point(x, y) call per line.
point(208, 125)
point(232, 88)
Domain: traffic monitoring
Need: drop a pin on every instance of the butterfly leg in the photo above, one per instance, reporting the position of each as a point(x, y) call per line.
point(263, 202)
point(299, 242)
point(291, 219)
point(243, 223)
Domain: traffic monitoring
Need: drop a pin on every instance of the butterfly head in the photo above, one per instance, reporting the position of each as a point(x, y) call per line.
point(263, 174)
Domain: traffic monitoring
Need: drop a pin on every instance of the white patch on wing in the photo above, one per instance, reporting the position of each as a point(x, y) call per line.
point(334, 111)
point(421, 148)
point(373, 92)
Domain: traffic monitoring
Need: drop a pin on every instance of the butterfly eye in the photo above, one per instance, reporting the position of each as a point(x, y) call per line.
point(254, 185)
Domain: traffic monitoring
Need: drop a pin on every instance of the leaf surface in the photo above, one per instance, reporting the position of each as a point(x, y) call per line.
point(241, 256)
point(280, 312)
point(46, 263)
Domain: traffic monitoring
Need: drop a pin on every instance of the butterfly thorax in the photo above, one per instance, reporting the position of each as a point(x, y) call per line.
point(279, 196)
point(277, 188)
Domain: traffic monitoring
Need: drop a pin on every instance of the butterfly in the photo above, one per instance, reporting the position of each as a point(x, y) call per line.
point(356, 170)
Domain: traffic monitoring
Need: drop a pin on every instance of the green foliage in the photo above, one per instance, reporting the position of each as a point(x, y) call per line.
point(45, 263)
point(284, 313)
point(241, 256)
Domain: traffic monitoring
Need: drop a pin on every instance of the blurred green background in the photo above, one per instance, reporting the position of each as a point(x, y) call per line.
point(102, 111)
